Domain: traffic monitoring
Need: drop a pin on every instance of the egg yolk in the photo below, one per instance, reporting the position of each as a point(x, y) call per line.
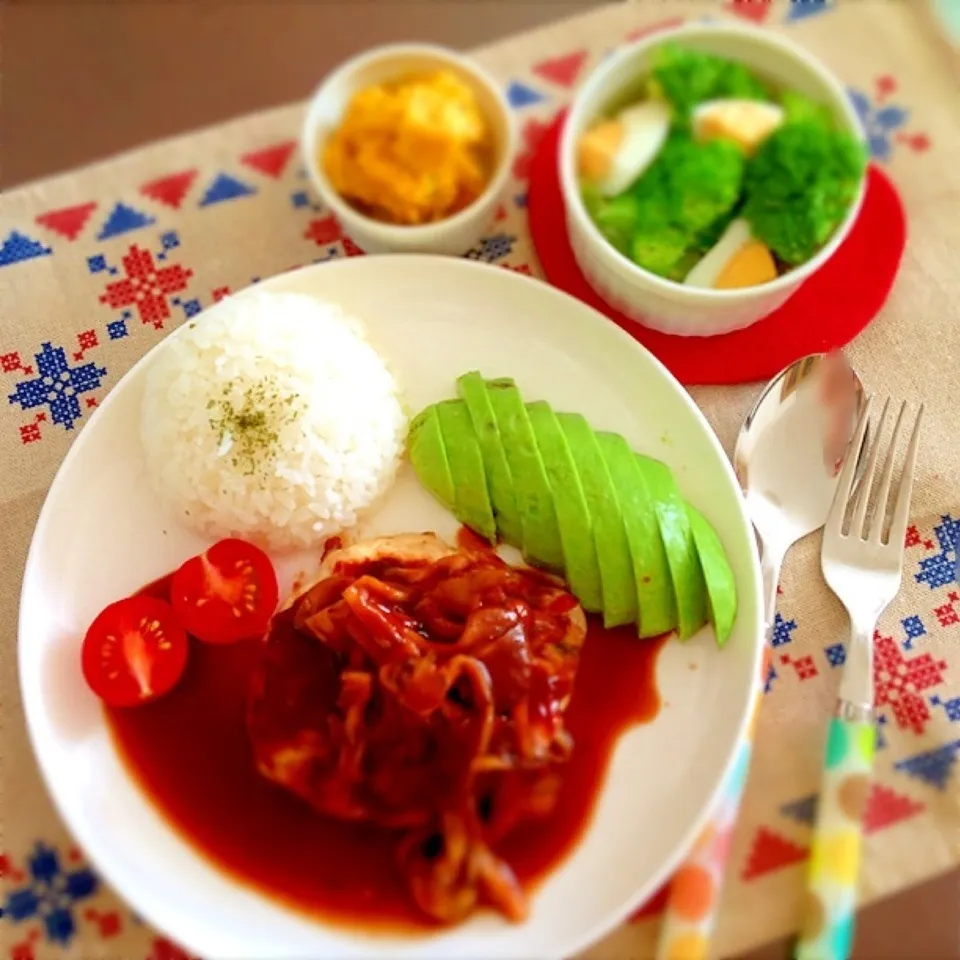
point(597, 148)
point(411, 152)
point(750, 266)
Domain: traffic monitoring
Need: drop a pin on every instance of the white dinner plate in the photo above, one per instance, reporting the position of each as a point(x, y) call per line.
point(102, 535)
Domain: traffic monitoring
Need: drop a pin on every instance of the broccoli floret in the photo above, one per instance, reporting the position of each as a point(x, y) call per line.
point(799, 187)
point(800, 109)
point(677, 209)
point(691, 184)
point(616, 218)
point(702, 180)
point(686, 78)
point(661, 249)
point(685, 193)
point(738, 82)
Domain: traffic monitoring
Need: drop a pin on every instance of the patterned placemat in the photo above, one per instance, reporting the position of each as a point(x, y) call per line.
point(99, 265)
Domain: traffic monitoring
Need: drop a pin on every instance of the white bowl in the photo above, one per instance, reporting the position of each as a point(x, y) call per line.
point(433, 318)
point(454, 235)
point(639, 294)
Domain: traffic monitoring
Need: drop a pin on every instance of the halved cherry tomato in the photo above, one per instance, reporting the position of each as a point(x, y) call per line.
point(227, 593)
point(134, 652)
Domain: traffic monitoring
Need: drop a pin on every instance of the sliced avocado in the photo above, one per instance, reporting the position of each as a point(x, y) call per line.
point(573, 517)
point(721, 585)
point(656, 600)
point(470, 497)
point(502, 496)
point(688, 583)
point(609, 534)
point(538, 519)
point(429, 456)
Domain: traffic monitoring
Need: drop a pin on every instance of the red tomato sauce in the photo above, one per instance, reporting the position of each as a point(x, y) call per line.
point(190, 753)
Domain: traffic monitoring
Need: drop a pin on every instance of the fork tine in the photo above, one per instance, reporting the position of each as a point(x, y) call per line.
point(880, 514)
point(866, 481)
point(849, 471)
point(901, 512)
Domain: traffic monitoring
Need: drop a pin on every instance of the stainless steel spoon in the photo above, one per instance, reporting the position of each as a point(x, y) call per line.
point(789, 453)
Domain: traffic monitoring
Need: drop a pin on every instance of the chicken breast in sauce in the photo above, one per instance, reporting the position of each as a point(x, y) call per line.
point(423, 688)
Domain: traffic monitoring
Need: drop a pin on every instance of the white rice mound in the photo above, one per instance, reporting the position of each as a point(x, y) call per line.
point(271, 418)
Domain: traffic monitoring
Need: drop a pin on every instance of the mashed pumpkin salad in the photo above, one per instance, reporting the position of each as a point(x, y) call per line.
point(715, 178)
point(412, 151)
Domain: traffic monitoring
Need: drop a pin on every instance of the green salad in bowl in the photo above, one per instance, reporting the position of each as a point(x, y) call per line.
point(710, 174)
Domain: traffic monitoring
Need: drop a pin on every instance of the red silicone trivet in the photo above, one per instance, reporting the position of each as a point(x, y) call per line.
point(827, 312)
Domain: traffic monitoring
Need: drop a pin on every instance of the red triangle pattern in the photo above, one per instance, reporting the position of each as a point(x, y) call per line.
point(69, 221)
point(755, 10)
point(562, 70)
point(171, 189)
point(270, 160)
point(351, 249)
point(887, 807)
point(771, 852)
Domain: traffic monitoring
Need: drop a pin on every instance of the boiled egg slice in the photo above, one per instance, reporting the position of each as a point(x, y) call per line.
point(746, 122)
point(737, 259)
point(612, 154)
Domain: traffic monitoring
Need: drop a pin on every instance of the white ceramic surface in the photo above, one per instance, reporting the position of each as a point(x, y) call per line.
point(454, 235)
point(641, 295)
point(434, 318)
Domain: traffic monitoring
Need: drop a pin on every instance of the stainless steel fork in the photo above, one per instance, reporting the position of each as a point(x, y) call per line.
point(862, 561)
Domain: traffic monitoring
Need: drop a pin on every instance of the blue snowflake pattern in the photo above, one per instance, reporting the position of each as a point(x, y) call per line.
point(879, 122)
point(97, 263)
point(492, 248)
point(190, 307)
point(881, 738)
point(768, 682)
point(50, 895)
point(947, 533)
point(950, 707)
point(783, 630)
point(117, 329)
point(913, 627)
point(941, 568)
point(836, 655)
point(58, 386)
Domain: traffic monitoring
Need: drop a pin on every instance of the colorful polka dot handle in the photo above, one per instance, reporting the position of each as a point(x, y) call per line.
point(827, 932)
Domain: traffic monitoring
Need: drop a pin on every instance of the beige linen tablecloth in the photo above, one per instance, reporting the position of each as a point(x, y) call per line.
point(98, 265)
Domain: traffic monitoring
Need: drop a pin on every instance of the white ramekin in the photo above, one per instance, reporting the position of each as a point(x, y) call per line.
point(454, 235)
point(639, 294)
